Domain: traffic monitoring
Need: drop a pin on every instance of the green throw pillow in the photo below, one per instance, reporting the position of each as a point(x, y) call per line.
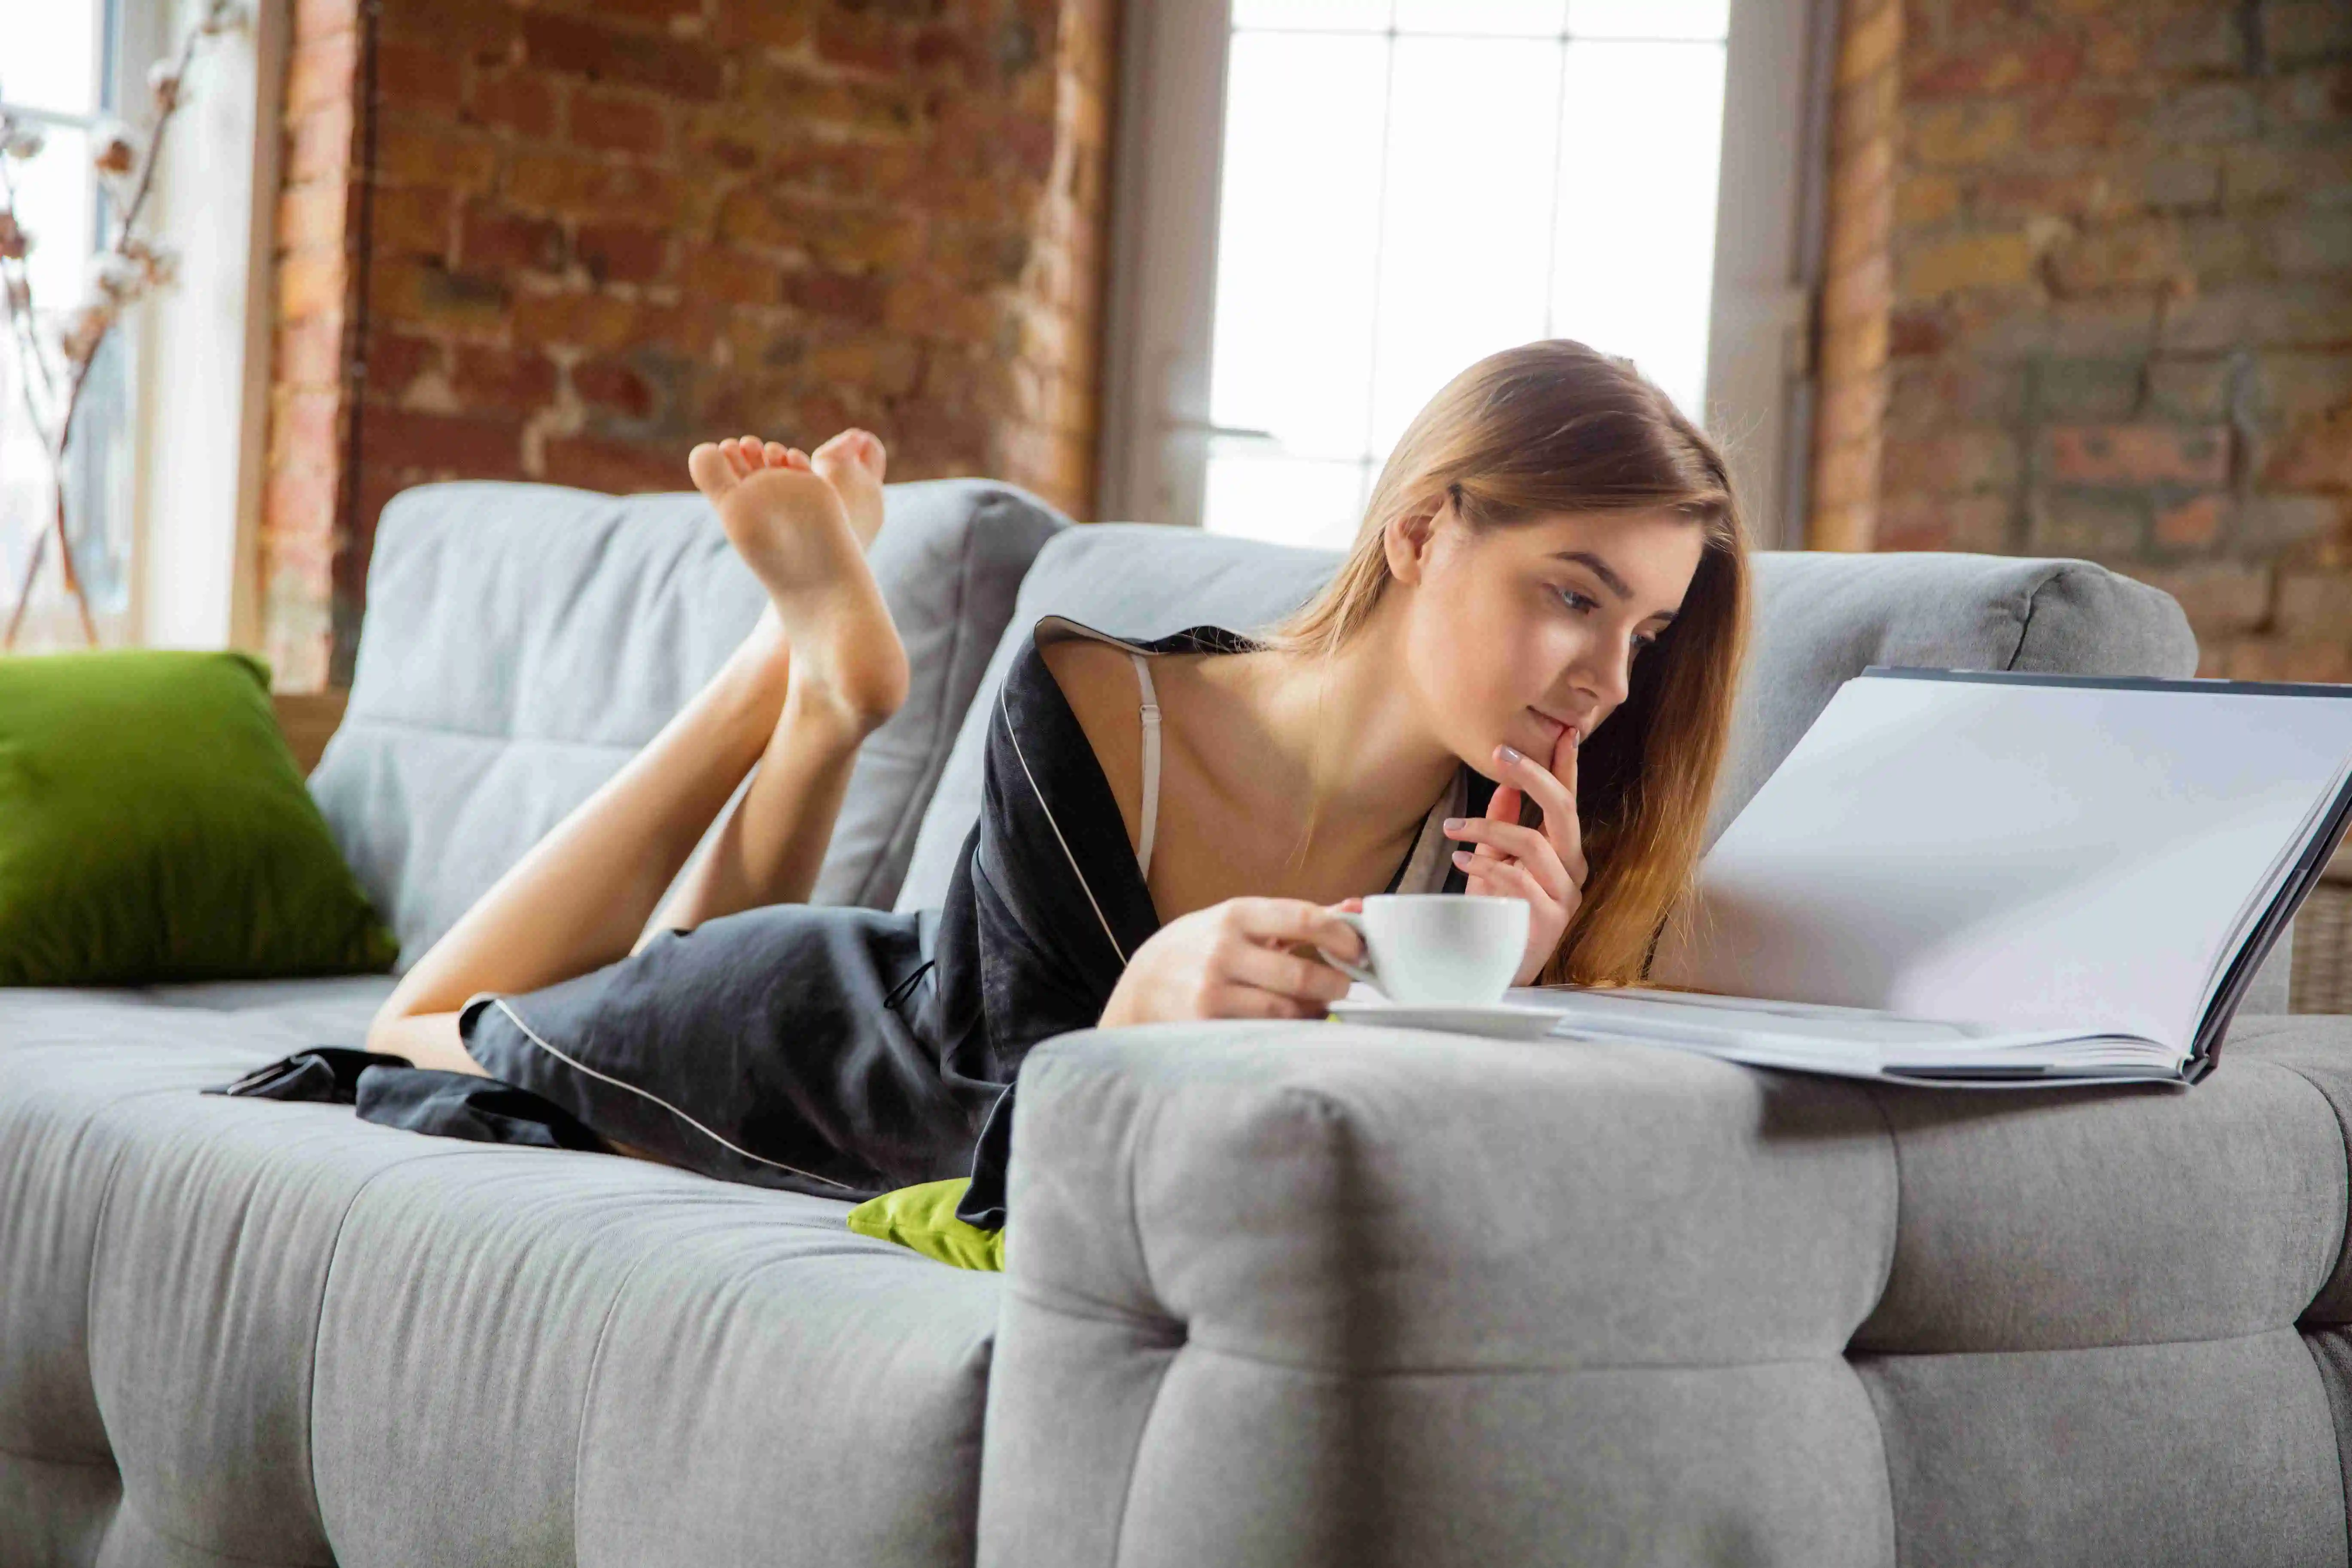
point(923, 1217)
point(154, 826)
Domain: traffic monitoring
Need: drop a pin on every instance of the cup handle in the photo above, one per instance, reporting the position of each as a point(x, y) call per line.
point(1357, 972)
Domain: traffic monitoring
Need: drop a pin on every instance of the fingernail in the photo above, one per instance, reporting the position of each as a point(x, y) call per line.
point(1452, 823)
point(1511, 755)
point(1463, 858)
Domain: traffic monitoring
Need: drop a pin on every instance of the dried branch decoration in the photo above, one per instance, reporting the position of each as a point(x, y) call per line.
point(55, 363)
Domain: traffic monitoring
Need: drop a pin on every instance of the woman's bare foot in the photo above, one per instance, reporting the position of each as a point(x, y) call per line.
point(793, 530)
point(853, 462)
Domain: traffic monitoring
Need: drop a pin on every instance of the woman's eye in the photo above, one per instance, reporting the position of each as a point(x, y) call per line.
point(1576, 601)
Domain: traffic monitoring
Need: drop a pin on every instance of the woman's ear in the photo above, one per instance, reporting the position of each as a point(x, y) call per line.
point(1408, 539)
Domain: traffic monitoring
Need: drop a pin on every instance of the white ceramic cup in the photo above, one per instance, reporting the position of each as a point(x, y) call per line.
point(1438, 949)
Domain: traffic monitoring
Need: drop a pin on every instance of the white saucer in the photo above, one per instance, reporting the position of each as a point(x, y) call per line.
point(1497, 1020)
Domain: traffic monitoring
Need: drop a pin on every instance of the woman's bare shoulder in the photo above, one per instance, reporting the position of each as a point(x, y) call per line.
point(1099, 682)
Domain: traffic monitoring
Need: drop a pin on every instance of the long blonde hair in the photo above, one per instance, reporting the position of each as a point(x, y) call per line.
point(1555, 426)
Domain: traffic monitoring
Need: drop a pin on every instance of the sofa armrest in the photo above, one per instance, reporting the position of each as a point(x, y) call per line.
point(1322, 1292)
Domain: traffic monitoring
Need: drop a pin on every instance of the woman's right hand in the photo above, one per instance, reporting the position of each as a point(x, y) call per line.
point(1231, 961)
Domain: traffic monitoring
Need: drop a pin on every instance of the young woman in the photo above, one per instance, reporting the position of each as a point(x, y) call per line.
point(1530, 651)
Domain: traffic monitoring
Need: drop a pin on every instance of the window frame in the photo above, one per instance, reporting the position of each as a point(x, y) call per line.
point(1166, 166)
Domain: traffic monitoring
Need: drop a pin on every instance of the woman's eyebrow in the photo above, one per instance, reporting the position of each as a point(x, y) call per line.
point(1609, 578)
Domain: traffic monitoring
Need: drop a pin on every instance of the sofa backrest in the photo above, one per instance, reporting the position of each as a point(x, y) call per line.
point(1821, 616)
point(522, 641)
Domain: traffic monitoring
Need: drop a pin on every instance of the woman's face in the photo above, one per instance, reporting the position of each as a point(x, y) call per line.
point(1514, 632)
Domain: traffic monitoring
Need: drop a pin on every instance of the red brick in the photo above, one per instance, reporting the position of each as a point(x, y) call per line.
point(411, 75)
point(564, 183)
point(414, 154)
point(2190, 525)
point(414, 220)
point(1956, 460)
point(310, 282)
point(308, 352)
point(573, 319)
point(310, 215)
point(610, 122)
point(395, 360)
point(782, 25)
point(318, 18)
point(301, 498)
point(861, 40)
point(735, 276)
point(523, 102)
point(494, 239)
point(480, 30)
point(2318, 456)
point(2140, 454)
point(426, 293)
point(2053, 60)
point(615, 386)
point(319, 71)
point(686, 66)
point(833, 294)
point(475, 445)
point(304, 424)
point(624, 468)
point(318, 144)
point(497, 380)
point(620, 252)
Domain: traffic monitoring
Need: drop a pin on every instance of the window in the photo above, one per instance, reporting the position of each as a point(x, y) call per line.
point(58, 75)
point(1411, 184)
point(1324, 209)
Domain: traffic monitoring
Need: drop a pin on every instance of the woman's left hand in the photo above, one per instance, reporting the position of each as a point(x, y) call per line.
point(1545, 866)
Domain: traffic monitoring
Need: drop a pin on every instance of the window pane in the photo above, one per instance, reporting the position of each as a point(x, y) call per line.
point(1296, 245)
point(1521, 18)
point(1468, 226)
point(1650, 18)
point(55, 197)
point(51, 58)
point(1320, 15)
point(1636, 243)
point(1288, 501)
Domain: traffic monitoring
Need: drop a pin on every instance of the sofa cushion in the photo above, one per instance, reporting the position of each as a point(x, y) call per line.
point(523, 641)
point(1821, 618)
point(153, 826)
point(249, 1332)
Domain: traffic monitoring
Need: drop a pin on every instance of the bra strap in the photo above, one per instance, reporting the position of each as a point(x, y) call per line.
point(1150, 761)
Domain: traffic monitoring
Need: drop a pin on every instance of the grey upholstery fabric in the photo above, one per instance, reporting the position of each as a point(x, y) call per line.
point(522, 641)
point(2205, 1452)
point(239, 1331)
point(1505, 1304)
point(656, 1367)
point(1245, 1251)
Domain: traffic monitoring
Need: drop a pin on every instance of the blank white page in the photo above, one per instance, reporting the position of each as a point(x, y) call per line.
point(2014, 852)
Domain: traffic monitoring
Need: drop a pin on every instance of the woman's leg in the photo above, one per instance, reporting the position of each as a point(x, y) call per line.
point(820, 672)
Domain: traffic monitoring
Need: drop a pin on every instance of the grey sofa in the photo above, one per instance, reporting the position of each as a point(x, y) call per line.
point(1277, 1293)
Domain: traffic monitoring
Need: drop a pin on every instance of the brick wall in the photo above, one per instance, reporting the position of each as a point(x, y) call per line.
point(2122, 316)
point(604, 231)
point(1857, 283)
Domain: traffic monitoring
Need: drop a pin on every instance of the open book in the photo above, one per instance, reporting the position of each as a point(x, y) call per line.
point(1980, 878)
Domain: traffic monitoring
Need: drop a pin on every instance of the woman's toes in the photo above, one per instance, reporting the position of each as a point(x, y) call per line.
point(708, 467)
point(852, 462)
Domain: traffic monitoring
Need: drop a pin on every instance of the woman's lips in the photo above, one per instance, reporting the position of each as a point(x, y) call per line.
point(1552, 729)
